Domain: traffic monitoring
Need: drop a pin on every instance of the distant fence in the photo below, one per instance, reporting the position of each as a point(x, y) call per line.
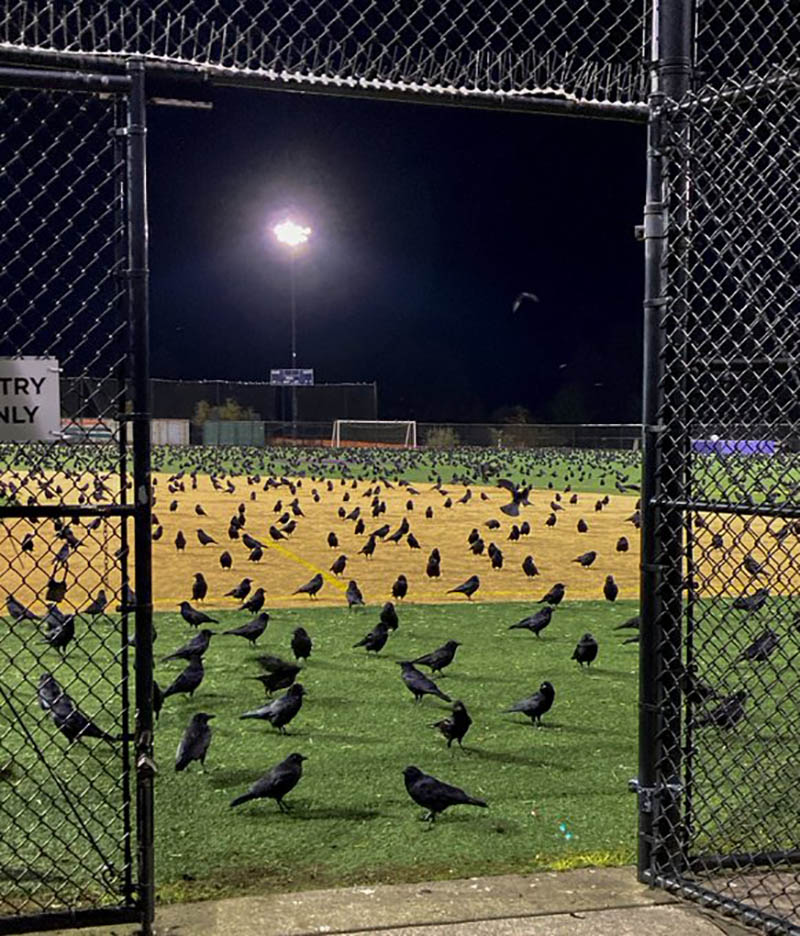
point(177, 399)
point(435, 435)
point(88, 397)
point(532, 435)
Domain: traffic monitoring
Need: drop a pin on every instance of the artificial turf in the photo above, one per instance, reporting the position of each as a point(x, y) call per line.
point(557, 794)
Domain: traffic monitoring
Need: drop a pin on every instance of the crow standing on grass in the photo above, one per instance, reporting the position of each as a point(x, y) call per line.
point(18, 611)
point(435, 796)
point(301, 644)
point(282, 710)
point(199, 587)
point(339, 565)
point(193, 616)
point(586, 650)
point(455, 727)
point(439, 658)
point(252, 630)
point(535, 623)
point(276, 782)
point(68, 718)
point(389, 616)
point(375, 640)
point(197, 646)
point(419, 684)
point(279, 675)
point(195, 742)
point(536, 705)
point(727, 714)
point(188, 681)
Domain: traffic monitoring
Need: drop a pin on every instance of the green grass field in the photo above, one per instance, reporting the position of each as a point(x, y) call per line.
point(352, 819)
point(557, 794)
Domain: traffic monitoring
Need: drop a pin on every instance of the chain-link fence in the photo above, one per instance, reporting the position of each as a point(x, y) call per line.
point(510, 50)
point(66, 722)
point(720, 759)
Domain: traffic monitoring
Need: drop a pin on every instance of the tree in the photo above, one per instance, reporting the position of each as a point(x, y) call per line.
point(202, 412)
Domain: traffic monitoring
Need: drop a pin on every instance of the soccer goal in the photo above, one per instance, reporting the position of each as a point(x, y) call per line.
point(396, 432)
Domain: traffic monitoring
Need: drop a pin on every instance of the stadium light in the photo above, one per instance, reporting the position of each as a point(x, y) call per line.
point(292, 235)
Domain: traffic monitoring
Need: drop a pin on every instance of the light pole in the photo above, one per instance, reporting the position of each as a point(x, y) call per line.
point(293, 236)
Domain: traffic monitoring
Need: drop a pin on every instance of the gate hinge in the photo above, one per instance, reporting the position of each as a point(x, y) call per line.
point(647, 795)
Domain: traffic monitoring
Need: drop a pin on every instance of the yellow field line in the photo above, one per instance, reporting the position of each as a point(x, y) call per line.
point(286, 553)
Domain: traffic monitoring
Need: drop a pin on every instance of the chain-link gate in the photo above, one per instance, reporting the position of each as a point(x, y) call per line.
point(720, 666)
point(721, 493)
point(72, 279)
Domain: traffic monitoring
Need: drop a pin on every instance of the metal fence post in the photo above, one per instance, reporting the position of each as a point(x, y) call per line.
point(661, 549)
point(138, 300)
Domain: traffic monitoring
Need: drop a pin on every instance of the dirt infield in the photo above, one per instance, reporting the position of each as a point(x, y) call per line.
point(291, 562)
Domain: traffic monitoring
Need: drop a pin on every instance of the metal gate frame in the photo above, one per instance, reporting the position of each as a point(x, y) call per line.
point(128, 92)
point(671, 561)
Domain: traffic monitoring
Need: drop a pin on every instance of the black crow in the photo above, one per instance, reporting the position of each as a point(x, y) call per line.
point(439, 658)
point(419, 684)
point(529, 567)
point(389, 616)
point(199, 587)
point(535, 623)
point(193, 616)
point(375, 640)
point(555, 595)
point(400, 587)
point(197, 646)
point(282, 710)
point(195, 741)
point(255, 602)
point(455, 727)
point(468, 588)
point(536, 705)
point(241, 591)
point(252, 630)
point(18, 611)
point(727, 714)
point(585, 651)
point(68, 718)
point(276, 782)
point(187, 681)
point(301, 644)
point(311, 587)
point(586, 559)
point(435, 796)
point(339, 565)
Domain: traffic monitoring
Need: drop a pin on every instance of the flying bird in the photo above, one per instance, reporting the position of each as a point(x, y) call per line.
point(523, 297)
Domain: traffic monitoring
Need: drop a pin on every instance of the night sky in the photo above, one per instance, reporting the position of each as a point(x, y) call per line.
point(427, 222)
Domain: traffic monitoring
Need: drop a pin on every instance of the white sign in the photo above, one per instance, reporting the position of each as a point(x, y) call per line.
point(30, 399)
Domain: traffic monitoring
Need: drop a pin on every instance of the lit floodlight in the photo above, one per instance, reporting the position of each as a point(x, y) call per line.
point(291, 233)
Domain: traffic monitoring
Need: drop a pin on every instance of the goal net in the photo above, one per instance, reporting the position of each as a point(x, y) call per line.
point(395, 432)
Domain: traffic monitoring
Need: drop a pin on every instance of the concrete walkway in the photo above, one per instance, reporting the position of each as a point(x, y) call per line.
point(588, 902)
